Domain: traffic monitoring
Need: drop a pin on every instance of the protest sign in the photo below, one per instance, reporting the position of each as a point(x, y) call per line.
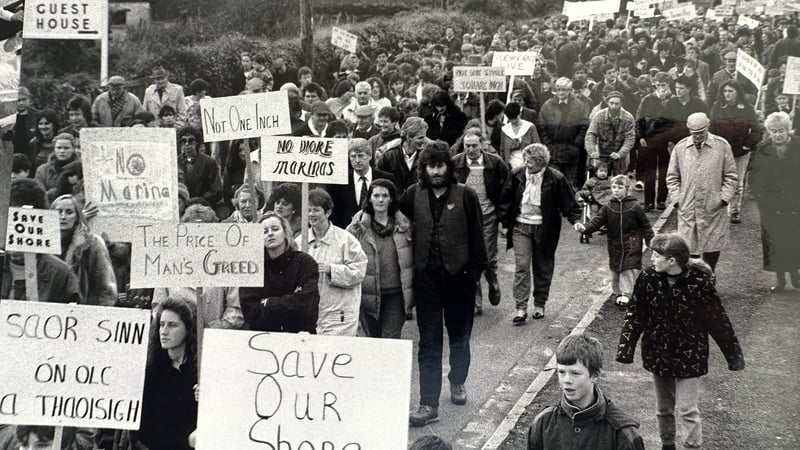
point(344, 39)
point(304, 159)
point(245, 116)
point(33, 231)
point(515, 63)
point(478, 79)
point(684, 11)
point(746, 21)
point(711, 14)
point(729, 2)
point(724, 11)
point(599, 9)
point(750, 68)
point(791, 83)
point(65, 19)
point(72, 365)
point(281, 390)
point(197, 254)
point(131, 174)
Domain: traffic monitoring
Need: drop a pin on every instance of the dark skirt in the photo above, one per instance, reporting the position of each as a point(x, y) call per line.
point(779, 241)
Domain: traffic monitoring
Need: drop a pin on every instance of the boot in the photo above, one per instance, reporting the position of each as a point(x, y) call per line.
point(780, 283)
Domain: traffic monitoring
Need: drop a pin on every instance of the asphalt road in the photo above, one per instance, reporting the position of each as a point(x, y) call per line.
point(507, 358)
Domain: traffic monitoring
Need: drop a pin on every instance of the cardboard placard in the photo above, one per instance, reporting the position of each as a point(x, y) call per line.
point(748, 22)
point(65, 19)
point(590, 10)
point(245, 116)
point(684, 11)
point(261, 389)
point(724, 11)
point(197, 254)
point(131, 174)
point(344, 39)
point(515, 63)
point(33, 231)
point(750, 68)
point(791, 82)
point(304, 159)
point(479, 79)
point(72, 365)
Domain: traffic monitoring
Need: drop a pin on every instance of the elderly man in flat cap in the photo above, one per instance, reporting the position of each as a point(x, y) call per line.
point(702, 181)
point(117, 106)
point(162, 93)
point(611, 134)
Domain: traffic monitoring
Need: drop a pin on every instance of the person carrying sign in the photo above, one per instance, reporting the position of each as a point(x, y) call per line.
point(449, 256)
point(611, 135)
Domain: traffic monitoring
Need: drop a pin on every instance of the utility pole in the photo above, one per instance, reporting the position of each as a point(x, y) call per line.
point(307, 33)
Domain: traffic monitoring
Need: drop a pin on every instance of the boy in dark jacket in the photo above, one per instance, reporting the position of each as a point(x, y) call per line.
point(584, 418)
point(627, 226)
point(675, 307)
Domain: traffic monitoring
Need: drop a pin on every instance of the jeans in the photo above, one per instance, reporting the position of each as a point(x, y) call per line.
point(623, 282)
point(490, 233)
point(530, 250)
point(440, 295)
point(742, 163)
point(681, 393)
point(393, 313)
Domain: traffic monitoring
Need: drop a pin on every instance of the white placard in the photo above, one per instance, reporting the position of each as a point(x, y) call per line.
point(711, 14)
point(747, 21)
point(197, 255)
point(262, 388)
point(515, 63)
point(729, 2)
point(479, 79)
point(791, 82)
point(344, 39)
point(245, 116)
point(131, 174)
point(644, 11)
point(33, 231)
point(724, 11)
point(685, 11)
point(304, 159)
point(72, 365)
point(65, 19)
point(750, 68)
point(590, 10)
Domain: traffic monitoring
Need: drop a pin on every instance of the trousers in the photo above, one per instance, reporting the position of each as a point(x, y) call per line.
point(531, 252)
point(681, 394)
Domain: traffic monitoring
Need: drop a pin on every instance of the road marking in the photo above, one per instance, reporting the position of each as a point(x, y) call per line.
point(504, 429)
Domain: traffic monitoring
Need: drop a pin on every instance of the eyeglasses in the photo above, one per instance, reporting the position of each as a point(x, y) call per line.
point(188, 141)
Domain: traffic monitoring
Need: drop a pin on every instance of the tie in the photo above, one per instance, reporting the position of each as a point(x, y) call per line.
point(698, 145)
point(363, 196)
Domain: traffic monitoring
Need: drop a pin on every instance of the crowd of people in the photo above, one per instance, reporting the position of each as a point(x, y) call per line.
point(435, 180)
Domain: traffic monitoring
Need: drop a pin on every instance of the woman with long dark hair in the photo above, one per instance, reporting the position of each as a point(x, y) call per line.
point(447, 121)
point(169, 408)
point(41, 145)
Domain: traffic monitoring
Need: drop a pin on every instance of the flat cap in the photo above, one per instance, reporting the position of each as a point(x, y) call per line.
point(116, 80)
point(320, 107)
point(364, 110)
point(615, 94)
point(697, 122)
point(730, 55)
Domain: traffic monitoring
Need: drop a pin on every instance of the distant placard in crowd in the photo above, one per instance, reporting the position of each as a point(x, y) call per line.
point(747, 21)
point(65, 19)
point(197, 255)
point(245, 116)
point(515, 63)
point(791, 83)
point(750, 68)
point(279, 390)
point(304, 159)
point(72, 365)
point(33, 231)
point(478, 79)
point(131, 174)
point(598, 9)
point(685, 11)
point(724, 11)
point(344, 39)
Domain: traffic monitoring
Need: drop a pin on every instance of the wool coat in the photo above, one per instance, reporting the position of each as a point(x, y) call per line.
point(563, 129)
point(88, 258)
point(627, 227)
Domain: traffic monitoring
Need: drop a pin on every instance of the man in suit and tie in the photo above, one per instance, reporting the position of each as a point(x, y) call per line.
point(348, 198)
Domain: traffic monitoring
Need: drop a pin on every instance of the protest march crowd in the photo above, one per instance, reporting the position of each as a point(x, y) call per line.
point(436, 178)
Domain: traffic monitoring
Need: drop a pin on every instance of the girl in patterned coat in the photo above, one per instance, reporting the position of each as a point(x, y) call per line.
point(675, 307)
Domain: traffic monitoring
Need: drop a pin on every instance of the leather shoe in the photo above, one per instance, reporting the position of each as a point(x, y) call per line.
point(735, 218)
point(478, 311)
point(520, 317)
point(423, 416)
point(795, 277)
point(494, 295)
point(648, 207)
point(661, 206)
point(458, 394)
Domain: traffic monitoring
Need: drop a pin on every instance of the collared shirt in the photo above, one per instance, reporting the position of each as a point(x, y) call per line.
point(357, 179)
point(313, 129)
point(530, 209)
point(409, 158)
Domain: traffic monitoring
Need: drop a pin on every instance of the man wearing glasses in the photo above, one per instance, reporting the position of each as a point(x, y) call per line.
point(200, 171)
point(117, 106)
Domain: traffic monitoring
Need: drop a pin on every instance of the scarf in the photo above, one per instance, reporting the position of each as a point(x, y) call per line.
point(117, 104)
point(383, 230)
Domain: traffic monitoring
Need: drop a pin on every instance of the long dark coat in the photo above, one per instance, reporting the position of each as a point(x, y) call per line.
point(627, 226)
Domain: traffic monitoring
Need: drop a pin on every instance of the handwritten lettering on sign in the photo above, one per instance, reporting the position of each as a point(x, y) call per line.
point(304, 159)
point(791, 83)
point(197, 254)
point(33, 231)
point(515, 63)
point(131, 174)
point(344, 39)
point(750, 68)
point(281, 391)
point(479, 79)
point(72, 365)
point(245, 116)
point(65, 19)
